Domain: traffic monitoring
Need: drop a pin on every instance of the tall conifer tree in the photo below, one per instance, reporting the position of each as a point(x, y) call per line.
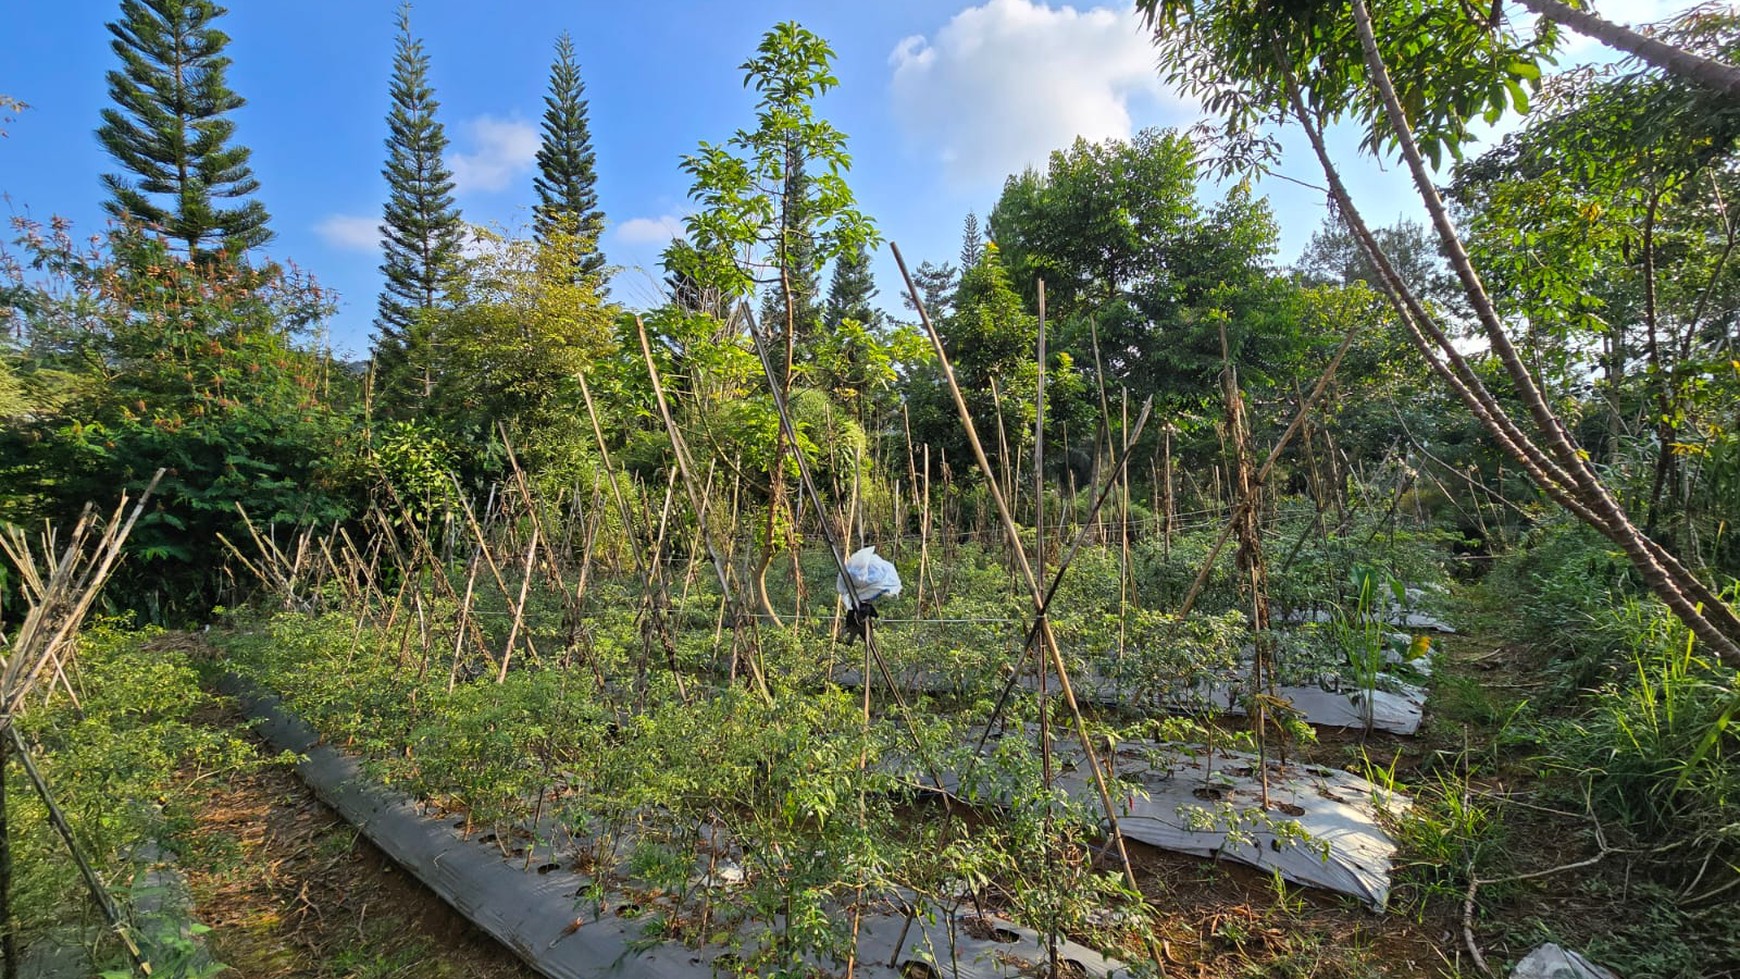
point(567, 178)
point(936, 287)
point(850, 291)
point(794, 251)
point(169, 128)
point(972, 244)
point(421, 228)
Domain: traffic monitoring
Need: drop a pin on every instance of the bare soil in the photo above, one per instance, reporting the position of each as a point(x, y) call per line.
point(293, 892)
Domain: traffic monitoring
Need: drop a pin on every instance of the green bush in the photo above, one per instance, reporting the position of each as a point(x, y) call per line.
point(1556, 587)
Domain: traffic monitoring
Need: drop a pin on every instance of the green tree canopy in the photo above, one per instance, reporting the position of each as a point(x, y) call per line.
point(170, 129)
point(566, 184)
point(521, 330)
point(421, 230)
point(850, 291)
point(1607, 223)
point(1128, 253)
point(158, 360)
point(773, 203)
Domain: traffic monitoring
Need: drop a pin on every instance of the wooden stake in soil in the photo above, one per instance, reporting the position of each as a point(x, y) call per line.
point(8, 928)
point(1262, 473)
point(507, 652)
point(93, 880)
point(1027, 574)
point(57, 605)
point(698, 501)
point(1045, 763)
point(808, 484)
point(1247, 506)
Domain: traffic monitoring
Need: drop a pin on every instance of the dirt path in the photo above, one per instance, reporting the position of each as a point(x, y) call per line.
point(291, 890)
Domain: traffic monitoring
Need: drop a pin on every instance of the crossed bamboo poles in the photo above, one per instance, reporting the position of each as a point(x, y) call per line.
point(58, 593)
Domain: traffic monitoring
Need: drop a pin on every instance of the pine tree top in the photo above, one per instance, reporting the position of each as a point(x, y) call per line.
point(421, 227)
point(168, 128)
point(566, 182)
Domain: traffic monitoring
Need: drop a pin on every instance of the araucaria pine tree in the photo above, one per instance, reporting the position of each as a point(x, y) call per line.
point(169, 128)
point(567, 178)
point(421, 229)
point(850, 291)
point(936, 287)
point(972, 244)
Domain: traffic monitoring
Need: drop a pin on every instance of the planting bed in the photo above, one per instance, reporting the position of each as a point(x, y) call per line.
point(539, 909)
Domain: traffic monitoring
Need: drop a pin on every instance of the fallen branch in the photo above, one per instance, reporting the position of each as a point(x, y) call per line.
point(1476, 883)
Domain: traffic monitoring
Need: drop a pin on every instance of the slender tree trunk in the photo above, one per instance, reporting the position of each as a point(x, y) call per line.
point(776, 474)
point(1713, 74)
point(1659, 375)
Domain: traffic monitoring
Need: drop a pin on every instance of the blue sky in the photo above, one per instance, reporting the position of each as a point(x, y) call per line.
point(941, 101)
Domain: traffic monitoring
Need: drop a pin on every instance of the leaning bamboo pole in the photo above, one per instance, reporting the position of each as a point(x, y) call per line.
point(698, 502)
point(57, 603)
point(1028, 577)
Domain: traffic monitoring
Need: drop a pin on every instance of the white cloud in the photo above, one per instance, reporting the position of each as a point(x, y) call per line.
point(650, 231)
point(1003, 84)
point(350, 232)
point(502, 150)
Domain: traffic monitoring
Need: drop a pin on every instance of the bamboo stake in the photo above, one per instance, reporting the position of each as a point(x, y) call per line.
point(1045, 760)
point(1264, 470)
point(807, 480)
point(655, 590)
point(1003, 454)
point(519, 607)
point(437, 568)
point(1027, 573)
point(464, 620)
point(488, 557)
point(8, 927)
point(1247, 500)
point(699, 503)
point(93, 880)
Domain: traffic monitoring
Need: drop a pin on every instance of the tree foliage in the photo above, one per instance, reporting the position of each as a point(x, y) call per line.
point(421, 230)
point(992, 342)
point(165, 361)
point(1450, 67)
point(1129, 254)
point(936, 288)
point(521, 330)
point(8, 106)
point(1607, 223)
point(1412, 77)
point(170, 129)
point(851, 290)
point(567, 180)
point(773, 205)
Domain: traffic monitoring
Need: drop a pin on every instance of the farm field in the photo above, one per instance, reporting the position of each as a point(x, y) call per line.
point(1116, 598)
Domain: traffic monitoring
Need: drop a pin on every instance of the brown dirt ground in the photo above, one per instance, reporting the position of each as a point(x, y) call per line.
point(1227, 921)
point(292, 892)
point(1220, 921)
